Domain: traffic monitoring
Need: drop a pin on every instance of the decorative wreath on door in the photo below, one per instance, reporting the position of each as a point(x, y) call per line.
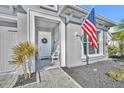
point(44, 40)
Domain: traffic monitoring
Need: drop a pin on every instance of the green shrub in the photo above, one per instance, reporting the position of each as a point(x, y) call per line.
point(119, 76)
point(121, 69)
point(112, 50)
point(111, 74)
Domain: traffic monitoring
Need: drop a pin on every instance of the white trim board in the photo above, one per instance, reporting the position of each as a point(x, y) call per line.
point(8, 28)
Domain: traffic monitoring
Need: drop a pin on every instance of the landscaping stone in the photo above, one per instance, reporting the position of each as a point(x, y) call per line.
point(22, 81)
point(94, 75)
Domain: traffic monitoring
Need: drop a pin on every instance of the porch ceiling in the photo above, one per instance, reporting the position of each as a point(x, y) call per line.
point(45, 23)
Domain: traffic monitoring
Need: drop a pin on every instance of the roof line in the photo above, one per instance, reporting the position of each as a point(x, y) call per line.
point(86, 12)
point(9, 17)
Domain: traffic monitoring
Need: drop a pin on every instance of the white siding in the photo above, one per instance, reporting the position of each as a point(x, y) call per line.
point(22, 27)
point(73, 48)
point(8, 39)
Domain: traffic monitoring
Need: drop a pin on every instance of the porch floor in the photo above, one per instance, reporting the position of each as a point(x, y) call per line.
point(43, 63)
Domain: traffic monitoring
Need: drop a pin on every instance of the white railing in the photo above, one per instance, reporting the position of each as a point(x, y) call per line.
point(55, 55)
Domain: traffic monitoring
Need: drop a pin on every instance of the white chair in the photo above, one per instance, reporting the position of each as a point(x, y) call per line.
point(55, 55)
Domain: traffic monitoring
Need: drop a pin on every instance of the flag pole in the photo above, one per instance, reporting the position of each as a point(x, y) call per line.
point(88, 14)
point(87, 57)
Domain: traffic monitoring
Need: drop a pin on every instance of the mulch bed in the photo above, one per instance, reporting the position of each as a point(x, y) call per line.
point(22, 81)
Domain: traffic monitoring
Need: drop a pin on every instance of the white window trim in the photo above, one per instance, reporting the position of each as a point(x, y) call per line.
point(100, 47)
point(55, 8)
point(92, 55)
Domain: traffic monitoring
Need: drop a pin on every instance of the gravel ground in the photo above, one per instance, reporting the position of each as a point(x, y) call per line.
point(94, 75)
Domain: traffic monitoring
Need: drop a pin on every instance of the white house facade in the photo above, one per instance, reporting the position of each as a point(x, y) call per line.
point(52, 28)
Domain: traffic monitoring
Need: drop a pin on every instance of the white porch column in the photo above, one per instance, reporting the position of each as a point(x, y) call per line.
point(31, 33)
point(62, 40)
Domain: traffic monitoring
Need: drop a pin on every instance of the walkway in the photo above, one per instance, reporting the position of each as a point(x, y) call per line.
point(53, 78)
point(7, 80)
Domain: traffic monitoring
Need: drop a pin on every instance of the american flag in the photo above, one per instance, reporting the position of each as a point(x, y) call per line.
point(89, 27)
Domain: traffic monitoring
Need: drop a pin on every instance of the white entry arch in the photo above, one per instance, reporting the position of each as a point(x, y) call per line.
point(31, 14)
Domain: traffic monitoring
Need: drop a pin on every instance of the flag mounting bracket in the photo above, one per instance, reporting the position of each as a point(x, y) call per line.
point(81, 39)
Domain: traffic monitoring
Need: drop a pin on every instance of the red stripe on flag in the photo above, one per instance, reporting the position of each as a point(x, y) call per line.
point(92, 26)
point(90, 31)
point(94, 45)
point(91, 38)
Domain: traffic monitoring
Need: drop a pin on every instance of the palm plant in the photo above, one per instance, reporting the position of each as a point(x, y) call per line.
point(119, 36)
point(31, 50)
point(120, 25)
point(22, 54)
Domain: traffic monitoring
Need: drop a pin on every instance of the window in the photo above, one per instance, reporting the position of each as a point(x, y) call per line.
point(51, 7)
point(88, 47)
